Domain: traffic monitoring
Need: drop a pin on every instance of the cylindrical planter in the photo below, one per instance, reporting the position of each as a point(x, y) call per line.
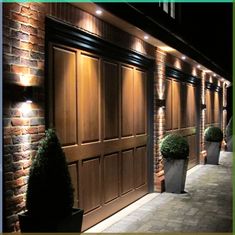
point(175, 174)
point(213, 152)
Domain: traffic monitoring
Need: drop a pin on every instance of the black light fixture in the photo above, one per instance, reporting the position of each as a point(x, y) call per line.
point(28, 94)
point(224, 108)
point(161, 103)
point(203, 106)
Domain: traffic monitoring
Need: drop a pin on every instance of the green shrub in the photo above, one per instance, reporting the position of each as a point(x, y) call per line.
point(213, 134)
point(49, 192)
point(174, 146)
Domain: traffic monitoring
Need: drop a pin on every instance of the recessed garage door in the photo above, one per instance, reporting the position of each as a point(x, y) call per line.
point(99, 112)
point(181, 114)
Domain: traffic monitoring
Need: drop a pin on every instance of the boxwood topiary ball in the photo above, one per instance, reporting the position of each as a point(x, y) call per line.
point(213, 134)
point(174, 146)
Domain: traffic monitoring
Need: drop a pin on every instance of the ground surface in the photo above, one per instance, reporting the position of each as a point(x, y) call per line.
point(206, 207)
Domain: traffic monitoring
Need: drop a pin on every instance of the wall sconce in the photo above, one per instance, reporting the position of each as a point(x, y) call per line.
point(203, 106)
point(28, 94)
point(161, 103)
point(224, 108)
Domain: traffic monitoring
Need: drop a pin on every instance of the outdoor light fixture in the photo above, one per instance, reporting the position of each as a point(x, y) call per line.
point(146, 37)
point(214, 75)
point(28, 94)
point(224, 108)
point(98, 12)
point(183, 57)
point(161, 103)
point(203, 106)
point(198, 66)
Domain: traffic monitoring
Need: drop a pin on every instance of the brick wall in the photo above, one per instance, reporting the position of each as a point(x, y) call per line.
point(202, 119)
point(159, 118)
point(23, 62)
point(23, 65)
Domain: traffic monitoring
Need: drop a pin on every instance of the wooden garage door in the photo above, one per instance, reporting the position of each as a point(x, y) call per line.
point(213, 106)
point(181, 114)
point(99, 112)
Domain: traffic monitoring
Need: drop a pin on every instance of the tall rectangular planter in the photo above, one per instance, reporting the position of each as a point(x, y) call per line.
point(70, 224)
point(213, 152)
point(175, 174)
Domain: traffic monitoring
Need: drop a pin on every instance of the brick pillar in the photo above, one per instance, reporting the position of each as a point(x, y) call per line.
point(202, 118)
point(159, 118)
point(23, 65)
point(224, 117)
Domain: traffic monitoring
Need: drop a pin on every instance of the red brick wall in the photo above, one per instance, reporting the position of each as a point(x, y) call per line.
point(159, 118)
point(23, 54)
point(23, 59)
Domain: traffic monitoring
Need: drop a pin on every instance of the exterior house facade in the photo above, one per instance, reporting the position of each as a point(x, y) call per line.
point(111, 89)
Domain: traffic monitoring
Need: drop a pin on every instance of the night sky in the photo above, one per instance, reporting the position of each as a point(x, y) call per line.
point(208, 26)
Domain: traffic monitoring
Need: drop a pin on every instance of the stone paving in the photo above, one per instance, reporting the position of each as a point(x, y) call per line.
point(205, 207)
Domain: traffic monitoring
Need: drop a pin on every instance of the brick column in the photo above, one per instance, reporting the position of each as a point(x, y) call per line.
point(159, 118)
point(224, 117)
point(23, 65)
point(202, 118)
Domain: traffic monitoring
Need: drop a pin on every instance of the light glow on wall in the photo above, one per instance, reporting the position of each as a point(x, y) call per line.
point(25, 80)
point(99, 12)
point(25, 108)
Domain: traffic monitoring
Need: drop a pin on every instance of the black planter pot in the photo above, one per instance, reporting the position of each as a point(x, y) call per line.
point(175, 174)
point(71, 224)
point(213, 151)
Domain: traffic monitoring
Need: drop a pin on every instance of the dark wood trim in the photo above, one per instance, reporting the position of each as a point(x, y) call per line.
point(213, 87)
point(181, 76)
point(60, 32)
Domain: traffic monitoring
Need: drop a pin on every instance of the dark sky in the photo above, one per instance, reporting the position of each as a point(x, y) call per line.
point(208, 27)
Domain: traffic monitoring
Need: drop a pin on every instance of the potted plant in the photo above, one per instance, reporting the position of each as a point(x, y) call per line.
point(175, 151)
point(49, 198)
point(213, 138)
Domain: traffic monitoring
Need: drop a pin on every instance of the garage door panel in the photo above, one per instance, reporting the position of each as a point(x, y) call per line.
point(65, 95)
point(139, 102)
point(168, 104)
point(184, 105)
point(111, 177)
point(74, 179)
point(127, 171)
point(89, 102)
point(127, 75)
point(183, 113)
point(91, 184)
point(111, 100)
point(108, 130)
point(140, 166)
point(175, 105)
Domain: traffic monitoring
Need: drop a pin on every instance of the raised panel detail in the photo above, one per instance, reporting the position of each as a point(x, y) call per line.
point(74, 178)
point(89, 98)
point(168, 104)
point(127, 101)
point(91, 183)
point(175, 105)
point(208, 106)
point(191, 106)
point(184, 103)
point(140, 166)
point(111, 177)
point(140, 102)
point(127, 169)
point(111, 100)
point(64, 62)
